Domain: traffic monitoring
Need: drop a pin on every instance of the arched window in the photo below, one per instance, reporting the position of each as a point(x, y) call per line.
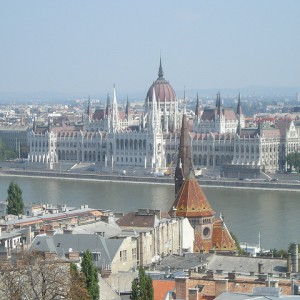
point(200, 160)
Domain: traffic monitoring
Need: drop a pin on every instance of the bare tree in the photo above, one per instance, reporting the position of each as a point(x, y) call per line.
point(35, 276)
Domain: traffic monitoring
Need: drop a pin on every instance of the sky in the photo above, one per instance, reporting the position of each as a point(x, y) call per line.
point(84, 47)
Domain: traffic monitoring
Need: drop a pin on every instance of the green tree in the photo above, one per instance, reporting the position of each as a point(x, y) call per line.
point(78, 290)
point(142, 288)
point(293, 160)
point(90, 275)
point(15, 204)
point(237, 243)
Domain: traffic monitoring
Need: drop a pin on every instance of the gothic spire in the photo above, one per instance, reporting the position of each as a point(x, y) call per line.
point(160, 71)
point(197, 110)
point(239, 106)
point(108, 105)
point(127, 109)
point(184, 160)
point(218, 103)
point(89, 108)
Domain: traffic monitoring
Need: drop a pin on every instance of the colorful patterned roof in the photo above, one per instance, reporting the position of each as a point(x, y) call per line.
point(221, 238)
point(191, 200)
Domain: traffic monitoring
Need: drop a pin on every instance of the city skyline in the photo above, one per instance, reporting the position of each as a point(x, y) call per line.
point(76, 48)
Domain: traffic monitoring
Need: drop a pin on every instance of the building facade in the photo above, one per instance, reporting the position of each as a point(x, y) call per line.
point(114, 139)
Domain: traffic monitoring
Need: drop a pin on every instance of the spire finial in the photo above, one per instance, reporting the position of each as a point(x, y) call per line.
point(184, 102)
point(160, 71)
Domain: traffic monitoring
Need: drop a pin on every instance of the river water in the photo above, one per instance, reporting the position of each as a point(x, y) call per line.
point(275, 214)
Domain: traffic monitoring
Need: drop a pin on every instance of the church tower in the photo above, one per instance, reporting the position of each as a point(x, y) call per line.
point(191, 202)
point(184, 160)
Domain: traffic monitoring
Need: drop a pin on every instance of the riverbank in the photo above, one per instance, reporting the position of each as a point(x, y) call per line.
point(222, 183)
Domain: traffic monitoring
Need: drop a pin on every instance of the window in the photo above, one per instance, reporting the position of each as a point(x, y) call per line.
point(134, 253)
point(123, 255)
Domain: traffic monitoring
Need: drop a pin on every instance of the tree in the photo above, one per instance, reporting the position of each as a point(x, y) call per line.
point(78, 290)
point(293, 160)
point(237, 243)
point(142, 288)
point(15, 204)
point(90, 275)
point(35, 276)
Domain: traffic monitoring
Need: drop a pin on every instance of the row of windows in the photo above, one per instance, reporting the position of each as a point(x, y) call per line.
point(129, 159)
point(131, 144)
point(205, 160)
point(210, 148)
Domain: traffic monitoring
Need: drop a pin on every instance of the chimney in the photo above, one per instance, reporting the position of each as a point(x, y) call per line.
point(210, 274)
point(221, 286)
point(193, 294)
point(289, 262)
point(181, 288)
point(274, 283)
point(295, 258)
point(231, 275)
point(67, 230)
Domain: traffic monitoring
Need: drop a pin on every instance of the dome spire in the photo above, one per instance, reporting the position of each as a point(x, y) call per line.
point(160, 71)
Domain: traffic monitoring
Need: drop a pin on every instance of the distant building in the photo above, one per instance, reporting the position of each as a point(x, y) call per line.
point(15, 138)
point(159, 234)
point(115, 139)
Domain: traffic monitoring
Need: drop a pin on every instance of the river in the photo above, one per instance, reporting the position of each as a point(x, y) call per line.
point(275, 214)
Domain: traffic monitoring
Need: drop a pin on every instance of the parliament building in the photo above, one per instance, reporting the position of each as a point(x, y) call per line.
point(115, 139)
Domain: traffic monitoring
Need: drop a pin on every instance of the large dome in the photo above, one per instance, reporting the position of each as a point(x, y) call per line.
point(164, 92)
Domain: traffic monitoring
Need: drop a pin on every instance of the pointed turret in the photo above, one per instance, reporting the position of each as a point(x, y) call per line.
point(260, 128)
point(218, 104)
point(160, 70)
point(191, 201)
point(197, 110)
point(108, 105)
point(127, 108)
point(89, 108)
point(184, 160)
point(115, 112)
point(239, 106)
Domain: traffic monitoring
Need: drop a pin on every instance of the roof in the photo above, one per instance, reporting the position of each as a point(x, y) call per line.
point(135, 219)
point(191, 200)
point(211, 113)
point(221, 238)
point(107, 228)
point(226, 263)
point(52, 217)
point(65, 243)
point(162, 287)
point(240, 296)
point(164, 92)
point(246, 264)
point(183, 262)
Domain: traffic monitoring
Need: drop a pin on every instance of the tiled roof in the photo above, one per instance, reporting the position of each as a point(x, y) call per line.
point(221, 238)
point(161, 287)
point(211, 114)
point(133, 219)
point(202, 245)
point(191, 200)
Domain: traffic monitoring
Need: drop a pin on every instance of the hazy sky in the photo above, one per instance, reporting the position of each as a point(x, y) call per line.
point(84, 47)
